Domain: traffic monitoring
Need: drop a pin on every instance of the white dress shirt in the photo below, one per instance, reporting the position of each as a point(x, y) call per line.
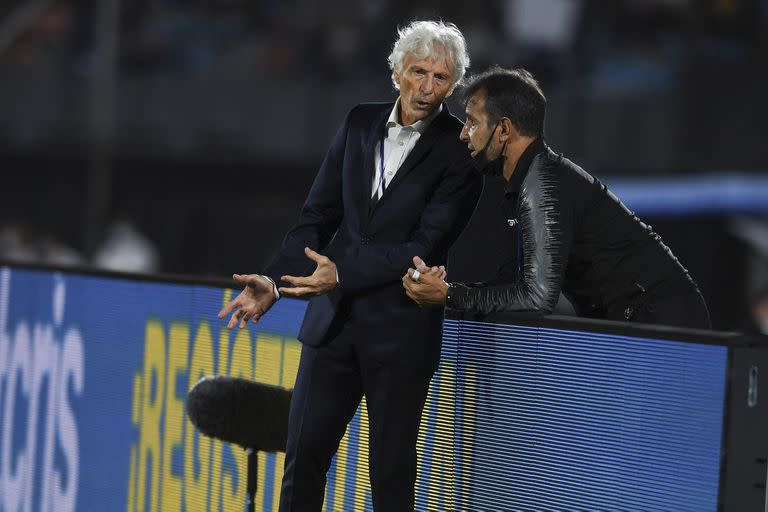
point(399, 141)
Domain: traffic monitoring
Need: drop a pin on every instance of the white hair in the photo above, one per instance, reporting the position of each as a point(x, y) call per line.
point(430, 39)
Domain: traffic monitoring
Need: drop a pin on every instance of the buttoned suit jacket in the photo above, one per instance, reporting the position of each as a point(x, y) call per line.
point(422, 211)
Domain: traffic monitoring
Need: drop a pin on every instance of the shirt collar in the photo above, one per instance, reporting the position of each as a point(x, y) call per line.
point(420, 126)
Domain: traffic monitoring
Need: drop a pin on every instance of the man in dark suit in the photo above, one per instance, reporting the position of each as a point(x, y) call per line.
point(396, 182)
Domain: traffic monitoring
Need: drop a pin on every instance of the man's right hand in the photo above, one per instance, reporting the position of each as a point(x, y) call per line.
point(423, 268)
point(424, 284)
point(252, 303)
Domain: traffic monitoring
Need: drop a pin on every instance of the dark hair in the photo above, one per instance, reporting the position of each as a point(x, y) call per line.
point(511, 93)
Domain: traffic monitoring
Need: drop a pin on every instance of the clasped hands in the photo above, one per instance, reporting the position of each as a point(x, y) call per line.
point(428, 286)
point(258, 294)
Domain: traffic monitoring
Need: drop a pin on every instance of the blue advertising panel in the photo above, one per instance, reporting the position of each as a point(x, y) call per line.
point(94, 372)
point(570, 420)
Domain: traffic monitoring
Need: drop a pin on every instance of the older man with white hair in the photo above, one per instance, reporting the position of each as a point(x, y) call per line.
point(396, 182)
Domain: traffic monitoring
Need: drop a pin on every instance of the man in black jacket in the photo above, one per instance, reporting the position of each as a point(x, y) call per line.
point(566, 231)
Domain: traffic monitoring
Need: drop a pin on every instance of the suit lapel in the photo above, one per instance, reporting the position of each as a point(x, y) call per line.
point(420, 151)
point(369, 161)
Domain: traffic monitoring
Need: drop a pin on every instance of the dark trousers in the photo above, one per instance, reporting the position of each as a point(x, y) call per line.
point(330, 383)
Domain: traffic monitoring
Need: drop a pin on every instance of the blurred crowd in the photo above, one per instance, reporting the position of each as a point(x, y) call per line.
point(622, 44)
point(122, 248)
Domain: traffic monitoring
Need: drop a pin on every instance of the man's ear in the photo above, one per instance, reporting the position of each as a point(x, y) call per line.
point(508, 130)
point(396, 77)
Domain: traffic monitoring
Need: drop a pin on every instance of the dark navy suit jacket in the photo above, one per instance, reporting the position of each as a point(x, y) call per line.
point(422, 212)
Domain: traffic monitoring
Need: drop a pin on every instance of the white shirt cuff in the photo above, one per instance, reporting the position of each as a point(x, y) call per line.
point(274, 286)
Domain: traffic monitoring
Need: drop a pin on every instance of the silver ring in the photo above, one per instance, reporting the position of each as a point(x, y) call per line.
point(416, 275)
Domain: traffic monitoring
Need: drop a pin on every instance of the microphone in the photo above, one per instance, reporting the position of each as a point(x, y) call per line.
point(249, 414)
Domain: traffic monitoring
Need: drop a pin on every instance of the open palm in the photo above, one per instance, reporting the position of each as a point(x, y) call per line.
point(252, 303)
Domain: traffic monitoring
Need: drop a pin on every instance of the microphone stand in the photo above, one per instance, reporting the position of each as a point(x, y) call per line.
point(253, 473)
point(249, 414)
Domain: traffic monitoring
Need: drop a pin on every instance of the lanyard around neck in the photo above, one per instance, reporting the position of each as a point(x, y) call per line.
point(381, 164)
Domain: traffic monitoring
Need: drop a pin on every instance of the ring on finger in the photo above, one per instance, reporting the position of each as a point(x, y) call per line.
point(416, 275)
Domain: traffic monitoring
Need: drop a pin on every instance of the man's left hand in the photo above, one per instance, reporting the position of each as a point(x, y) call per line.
point(321, 280)
point(431, 287)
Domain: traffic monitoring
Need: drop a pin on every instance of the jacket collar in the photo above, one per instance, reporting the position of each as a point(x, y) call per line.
point(523, 164)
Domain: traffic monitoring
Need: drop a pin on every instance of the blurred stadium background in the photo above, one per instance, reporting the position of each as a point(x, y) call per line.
point(181, 136)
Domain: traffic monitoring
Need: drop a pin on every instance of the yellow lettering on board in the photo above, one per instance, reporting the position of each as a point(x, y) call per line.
point(341, 471)
point(421, 440)
point(178, 346)
point(149, 440)
point(291, 356)
point(361, 475)
point(290, 365)
point(269, 350)
point(218, 446)
point(241, 365)
point(130, 504)
point(441, 471)
point(136, 408)
point(136, 420)
point(196, 491)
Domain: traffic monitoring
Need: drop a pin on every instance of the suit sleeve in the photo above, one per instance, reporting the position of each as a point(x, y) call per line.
point(547, 221)
point(441, 222)
point(320, 216)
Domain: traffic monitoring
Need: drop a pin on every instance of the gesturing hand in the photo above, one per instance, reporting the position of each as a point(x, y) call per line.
point(252, 303)
point(321, 280)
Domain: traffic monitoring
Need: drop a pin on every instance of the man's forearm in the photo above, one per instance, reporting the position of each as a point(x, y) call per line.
point(493, 298)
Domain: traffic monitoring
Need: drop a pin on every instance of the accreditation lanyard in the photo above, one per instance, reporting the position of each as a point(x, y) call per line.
point(381, 164)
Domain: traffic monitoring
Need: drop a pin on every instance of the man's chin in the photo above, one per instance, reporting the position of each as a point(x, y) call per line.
point(419, 114)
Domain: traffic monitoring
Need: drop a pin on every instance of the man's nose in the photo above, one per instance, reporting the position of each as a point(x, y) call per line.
point(464, 135)
point(427, 85)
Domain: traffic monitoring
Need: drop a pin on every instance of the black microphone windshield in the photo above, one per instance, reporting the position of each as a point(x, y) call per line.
point(240, 411)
